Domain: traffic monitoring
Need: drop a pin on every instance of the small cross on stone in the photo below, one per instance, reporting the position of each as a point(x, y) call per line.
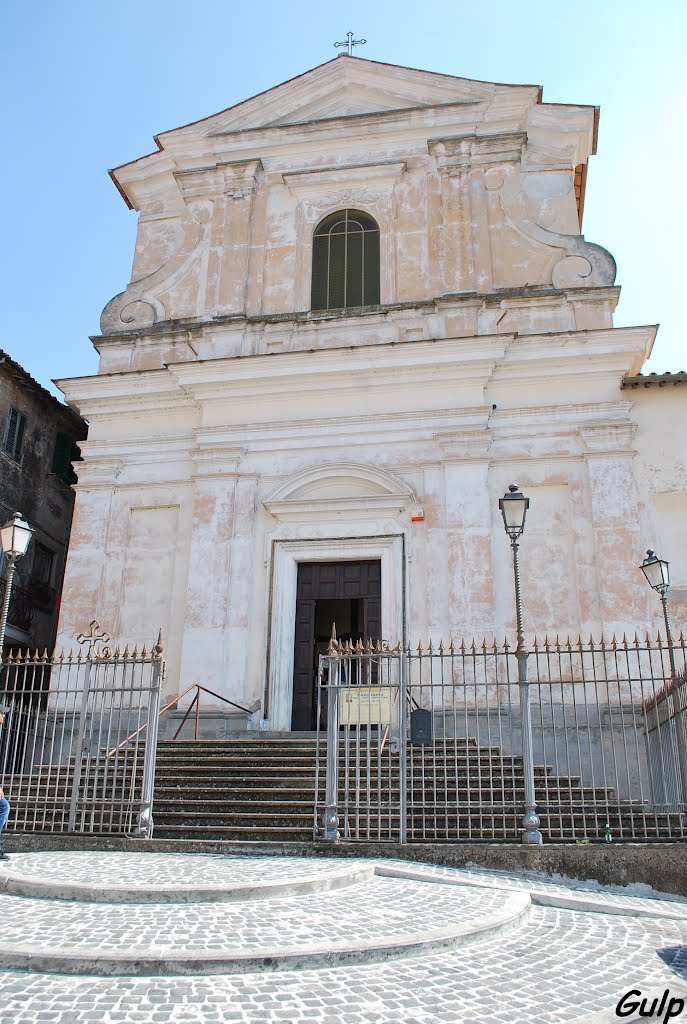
point(350, 42)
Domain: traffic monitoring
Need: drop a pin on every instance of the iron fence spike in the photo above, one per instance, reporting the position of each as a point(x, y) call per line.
point(441, 647)
point(430, 648)
point(126, 651)
point(159, 646)
point(419, 647)
point(451, 647)
point(135, 653)
point(144, 652)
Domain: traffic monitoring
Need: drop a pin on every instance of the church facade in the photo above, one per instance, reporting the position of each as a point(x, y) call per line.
point(361, 307)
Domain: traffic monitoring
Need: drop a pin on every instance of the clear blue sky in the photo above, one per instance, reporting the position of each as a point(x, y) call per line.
point(87, 84)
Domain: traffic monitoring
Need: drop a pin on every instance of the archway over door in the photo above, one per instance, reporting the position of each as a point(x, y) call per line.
point(349, 593)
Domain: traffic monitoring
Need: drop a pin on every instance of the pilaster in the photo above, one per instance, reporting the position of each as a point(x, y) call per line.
point(468, 533)
point(608, 454)
point(207, 592)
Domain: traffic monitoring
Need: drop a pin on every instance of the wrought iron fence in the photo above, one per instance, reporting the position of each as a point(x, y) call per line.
point(77, 745)
point(431, 744)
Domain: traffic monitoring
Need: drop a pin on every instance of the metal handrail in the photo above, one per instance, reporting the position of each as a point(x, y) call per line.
point(196, 701)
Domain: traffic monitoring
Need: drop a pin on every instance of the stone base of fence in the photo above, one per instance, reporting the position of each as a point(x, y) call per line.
point(663, 866)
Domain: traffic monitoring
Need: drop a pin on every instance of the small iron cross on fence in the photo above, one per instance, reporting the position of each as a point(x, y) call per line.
point(350, 42)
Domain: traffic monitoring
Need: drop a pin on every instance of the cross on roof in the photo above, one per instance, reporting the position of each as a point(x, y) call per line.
point(350, 42)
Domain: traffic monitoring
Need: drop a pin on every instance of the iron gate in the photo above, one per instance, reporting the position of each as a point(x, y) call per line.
point(585, 742)
point(77, 746)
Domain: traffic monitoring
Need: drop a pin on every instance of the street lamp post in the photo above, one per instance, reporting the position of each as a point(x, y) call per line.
point(513, 506)
point(657, 573)
point(14, 540)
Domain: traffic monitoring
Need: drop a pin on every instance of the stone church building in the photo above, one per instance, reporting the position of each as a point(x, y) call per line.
point(361, 306)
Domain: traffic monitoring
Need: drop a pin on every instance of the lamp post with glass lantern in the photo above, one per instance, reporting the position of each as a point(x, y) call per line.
point(513, 506)
point(657, 574)
point(15, 536)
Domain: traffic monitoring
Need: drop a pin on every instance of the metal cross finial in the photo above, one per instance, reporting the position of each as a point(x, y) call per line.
point(350, 42)
point(94, 638)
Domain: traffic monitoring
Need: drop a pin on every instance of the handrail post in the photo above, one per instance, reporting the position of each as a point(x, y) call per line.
point(403, 747)
point(330, 818)
point(79, 752)
point(145, 816)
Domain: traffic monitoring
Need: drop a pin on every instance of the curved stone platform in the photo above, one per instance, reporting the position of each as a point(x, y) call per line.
point(172, 877)
point(395, 943)
point(235, 928)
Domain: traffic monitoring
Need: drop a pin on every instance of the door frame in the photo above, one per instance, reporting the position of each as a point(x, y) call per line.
point(286, 555)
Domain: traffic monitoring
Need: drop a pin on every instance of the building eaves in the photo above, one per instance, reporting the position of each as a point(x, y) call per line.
point(25, 380)
point(654, 380)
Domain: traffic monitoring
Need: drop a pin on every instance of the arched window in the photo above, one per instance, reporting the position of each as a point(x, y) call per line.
point(345, 261)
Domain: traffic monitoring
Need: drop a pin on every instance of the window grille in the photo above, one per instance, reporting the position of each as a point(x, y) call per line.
point(345, 261)
point(15, 426)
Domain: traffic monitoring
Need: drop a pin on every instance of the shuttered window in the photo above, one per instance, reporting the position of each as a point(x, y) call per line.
point(43, 560)
point(345, 261)
point(66, 451)
point(13, 439)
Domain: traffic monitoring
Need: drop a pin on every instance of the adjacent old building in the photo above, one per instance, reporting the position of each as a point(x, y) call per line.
point(39, 445)
point(361, 306)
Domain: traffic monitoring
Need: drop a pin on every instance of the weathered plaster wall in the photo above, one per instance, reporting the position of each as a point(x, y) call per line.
point(472, 187)
point(234, 432)
point(661, 470)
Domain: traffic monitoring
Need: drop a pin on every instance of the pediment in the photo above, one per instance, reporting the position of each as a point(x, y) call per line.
point(348, 488)
point(343, 87)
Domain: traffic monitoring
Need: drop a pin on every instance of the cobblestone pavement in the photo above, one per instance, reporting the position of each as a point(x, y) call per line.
point(557, 966)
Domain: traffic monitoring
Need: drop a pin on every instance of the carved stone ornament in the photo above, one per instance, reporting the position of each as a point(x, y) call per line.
point(138, 306)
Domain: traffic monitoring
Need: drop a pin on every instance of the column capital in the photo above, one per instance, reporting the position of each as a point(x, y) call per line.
point(466, 445)
point(607, 438)
point(216, 460)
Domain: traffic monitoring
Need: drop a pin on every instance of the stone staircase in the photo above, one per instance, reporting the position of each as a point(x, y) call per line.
point(263, 788)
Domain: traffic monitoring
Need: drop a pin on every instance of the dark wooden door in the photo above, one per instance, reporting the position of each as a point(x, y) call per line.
point(361, 581)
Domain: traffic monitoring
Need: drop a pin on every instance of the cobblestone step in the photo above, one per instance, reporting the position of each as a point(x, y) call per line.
point(273, 916)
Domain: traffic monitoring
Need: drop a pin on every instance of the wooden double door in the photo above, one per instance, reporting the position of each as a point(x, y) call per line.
point(347, 593)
